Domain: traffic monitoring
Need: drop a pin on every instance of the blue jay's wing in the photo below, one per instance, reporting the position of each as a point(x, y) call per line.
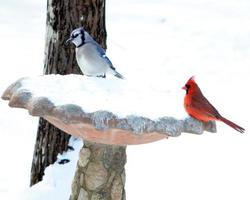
point(99, 49)
point(102, 53)
point(108, 61)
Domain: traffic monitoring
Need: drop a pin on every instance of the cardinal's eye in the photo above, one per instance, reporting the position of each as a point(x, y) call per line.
point(187, 86)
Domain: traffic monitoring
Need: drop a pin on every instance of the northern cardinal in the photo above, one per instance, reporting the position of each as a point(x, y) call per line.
point(198, 107)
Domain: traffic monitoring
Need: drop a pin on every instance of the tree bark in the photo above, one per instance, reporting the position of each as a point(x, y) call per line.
point(62, 17)
point(49, 142)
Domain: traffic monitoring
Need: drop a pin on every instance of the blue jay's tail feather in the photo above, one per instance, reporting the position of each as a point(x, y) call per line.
point(115, 73)
point(118, 75)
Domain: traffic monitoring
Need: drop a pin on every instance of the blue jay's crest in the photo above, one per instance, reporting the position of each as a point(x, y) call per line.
point(76, 32)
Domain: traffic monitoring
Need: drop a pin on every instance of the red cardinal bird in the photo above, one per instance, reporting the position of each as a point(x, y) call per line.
point(200, 108)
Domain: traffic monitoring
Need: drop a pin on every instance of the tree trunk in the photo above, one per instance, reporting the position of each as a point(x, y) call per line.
point(62, 17)
point(49, 142)
point(100, 173)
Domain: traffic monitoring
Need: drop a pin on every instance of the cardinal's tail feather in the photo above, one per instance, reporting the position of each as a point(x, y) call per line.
point(233, 125)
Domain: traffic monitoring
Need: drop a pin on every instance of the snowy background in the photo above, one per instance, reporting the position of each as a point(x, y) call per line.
point(160, 44)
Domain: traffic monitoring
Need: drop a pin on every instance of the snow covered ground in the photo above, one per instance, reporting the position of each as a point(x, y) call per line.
point(160, 44)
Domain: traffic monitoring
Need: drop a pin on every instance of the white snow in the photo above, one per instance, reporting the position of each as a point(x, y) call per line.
point(121, 97)
point(57, 179)
point(157, 45)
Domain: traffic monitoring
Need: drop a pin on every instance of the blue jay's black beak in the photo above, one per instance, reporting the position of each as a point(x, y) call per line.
point(68, 40)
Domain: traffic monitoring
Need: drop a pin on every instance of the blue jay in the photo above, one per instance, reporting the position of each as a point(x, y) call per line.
point(90, 56)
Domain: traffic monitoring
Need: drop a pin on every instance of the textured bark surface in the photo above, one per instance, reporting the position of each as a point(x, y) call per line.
point(62, 17)
point(100, 173)
point(49, 142)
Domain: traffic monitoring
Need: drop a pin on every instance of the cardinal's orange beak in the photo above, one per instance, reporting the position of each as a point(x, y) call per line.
point(184, 88)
